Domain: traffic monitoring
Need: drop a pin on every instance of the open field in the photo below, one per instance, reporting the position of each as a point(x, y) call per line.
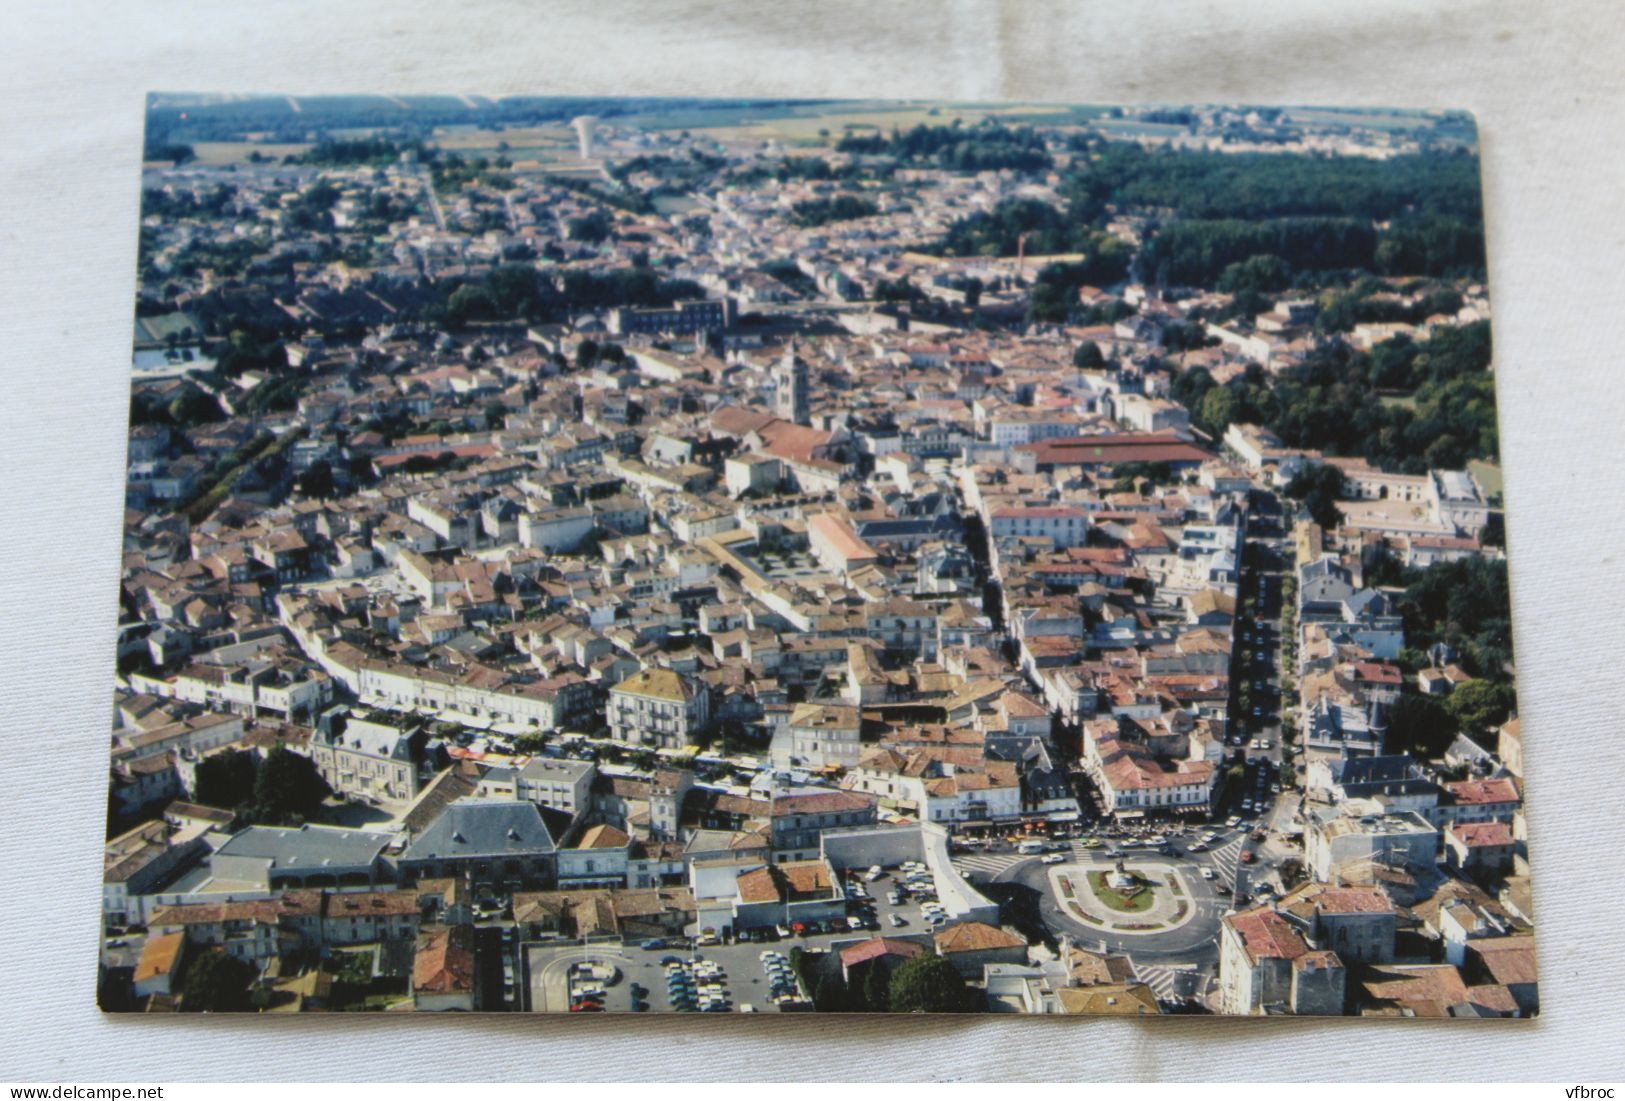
point(1374, 120)
point(236, 152)
point(799, 125)
point(1488, 475)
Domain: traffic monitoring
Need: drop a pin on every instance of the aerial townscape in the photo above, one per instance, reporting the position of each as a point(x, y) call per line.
point(635, 555)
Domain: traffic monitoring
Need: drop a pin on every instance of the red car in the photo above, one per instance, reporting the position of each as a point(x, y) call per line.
point(587, 1007)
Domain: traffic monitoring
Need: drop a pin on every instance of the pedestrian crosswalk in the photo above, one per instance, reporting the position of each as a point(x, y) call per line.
point(991, 864)
point(1160, 979)
point(1226, 856)
point(987, 864)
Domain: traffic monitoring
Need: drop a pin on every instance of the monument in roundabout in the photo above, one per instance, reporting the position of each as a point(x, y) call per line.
point(1123, 881)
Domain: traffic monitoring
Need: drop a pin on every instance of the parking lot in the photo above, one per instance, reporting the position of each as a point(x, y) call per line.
point(640, 975)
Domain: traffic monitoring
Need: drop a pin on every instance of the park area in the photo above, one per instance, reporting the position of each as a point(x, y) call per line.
point(1135, 901)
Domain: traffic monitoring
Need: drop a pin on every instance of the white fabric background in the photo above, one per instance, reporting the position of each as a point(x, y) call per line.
point(1544, 81)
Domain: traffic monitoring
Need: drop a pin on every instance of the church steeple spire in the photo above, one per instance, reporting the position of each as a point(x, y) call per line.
point(791, 401)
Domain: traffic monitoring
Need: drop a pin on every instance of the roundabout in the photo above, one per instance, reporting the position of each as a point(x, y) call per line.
point(1178, 926)
point(1126, 900)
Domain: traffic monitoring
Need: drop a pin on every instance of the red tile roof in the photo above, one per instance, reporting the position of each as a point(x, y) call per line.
point(876, 947)
point(1474, 792)
point(1477, 835)
point(1109, 450)
point(1265, 934)
point(974, 936)
point(445, 962)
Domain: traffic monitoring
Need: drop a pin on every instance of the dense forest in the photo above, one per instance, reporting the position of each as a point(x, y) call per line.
point(1209, 186)
point(1284, 215)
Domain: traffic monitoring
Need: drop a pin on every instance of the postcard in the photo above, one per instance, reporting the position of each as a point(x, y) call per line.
point(595, 555)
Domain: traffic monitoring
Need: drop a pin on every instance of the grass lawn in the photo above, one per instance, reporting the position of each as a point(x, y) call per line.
point(1136, 903)
point(1488, 475)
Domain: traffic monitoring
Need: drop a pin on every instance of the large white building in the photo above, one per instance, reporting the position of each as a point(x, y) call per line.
point(373, 760)
point(659, 708)
point(1348, 847)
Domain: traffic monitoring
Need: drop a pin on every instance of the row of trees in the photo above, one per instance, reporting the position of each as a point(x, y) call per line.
point(984, 147)
point(520, 291)
point(804, 168)
point(376, 150)
point(842, 208)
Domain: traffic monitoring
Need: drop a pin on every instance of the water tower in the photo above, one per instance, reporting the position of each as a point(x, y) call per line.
point(583, 126)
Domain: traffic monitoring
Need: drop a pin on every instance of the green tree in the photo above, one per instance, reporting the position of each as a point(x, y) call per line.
point(317, 481)
point(1088, 356)
point(829, 995)
point(287, 789)
point(1218, 410)
point(226, 779)
point(193, 407)
point(1421, 725)
point(1256, 274)
point(1319, 487)
point(470, 302)
point(215, 982)
point(876, 988)
point(927, 984)
point(1481, 705)
point(973, 293)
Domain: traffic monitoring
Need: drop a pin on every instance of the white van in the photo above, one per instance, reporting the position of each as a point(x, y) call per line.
point(1030, 848)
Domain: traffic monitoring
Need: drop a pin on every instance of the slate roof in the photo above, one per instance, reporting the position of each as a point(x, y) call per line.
point(484, 828)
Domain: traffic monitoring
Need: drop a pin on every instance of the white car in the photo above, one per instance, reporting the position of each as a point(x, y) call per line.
point(1207, 873)
point(897, 920)
point(1054, 858)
